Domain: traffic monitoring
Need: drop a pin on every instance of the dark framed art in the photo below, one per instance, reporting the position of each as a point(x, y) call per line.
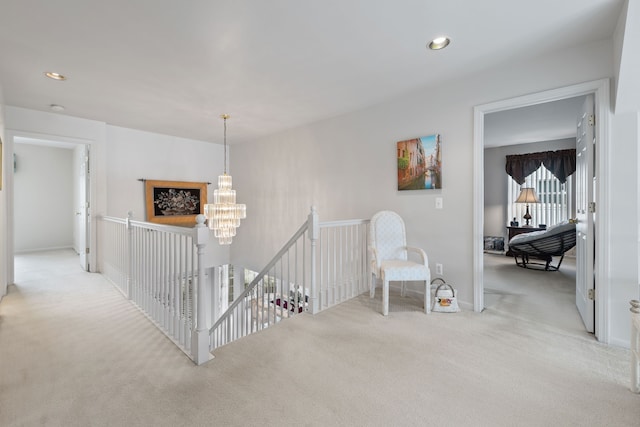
point(174, 202)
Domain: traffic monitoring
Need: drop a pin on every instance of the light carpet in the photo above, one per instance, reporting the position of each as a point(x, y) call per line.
point(74, 352)
point(546, 297)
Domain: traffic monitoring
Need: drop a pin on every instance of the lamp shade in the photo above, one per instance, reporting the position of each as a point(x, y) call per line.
point(527, 195)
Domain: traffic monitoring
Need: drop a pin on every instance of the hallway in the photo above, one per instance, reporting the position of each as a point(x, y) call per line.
point(73, 351)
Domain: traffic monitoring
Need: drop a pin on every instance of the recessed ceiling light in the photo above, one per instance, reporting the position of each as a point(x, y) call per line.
point(57, 108)
point(55, 76)
point(439, 43)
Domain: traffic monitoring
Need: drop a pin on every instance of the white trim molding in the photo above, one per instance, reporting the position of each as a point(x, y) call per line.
point(601, 90)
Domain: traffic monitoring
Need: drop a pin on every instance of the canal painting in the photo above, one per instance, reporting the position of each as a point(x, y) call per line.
point(420, 163)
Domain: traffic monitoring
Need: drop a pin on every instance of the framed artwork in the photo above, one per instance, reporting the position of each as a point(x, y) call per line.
point(174, 202)
point(420, 163)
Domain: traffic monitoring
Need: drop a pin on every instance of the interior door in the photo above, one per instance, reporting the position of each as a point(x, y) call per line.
point(83, 216)
point(585, 213)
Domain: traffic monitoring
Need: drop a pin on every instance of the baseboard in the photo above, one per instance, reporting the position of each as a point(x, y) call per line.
point(620, 343)
point(54, 248)
point(467, 306)
point(494, 252)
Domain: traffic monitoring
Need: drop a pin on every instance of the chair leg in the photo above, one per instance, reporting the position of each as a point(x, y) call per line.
point(385, 297)
point(427, 297)
point(372, 288)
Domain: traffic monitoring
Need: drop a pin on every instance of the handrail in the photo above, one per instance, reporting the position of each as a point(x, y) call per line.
point(112, 219)
point(303, 277)
point(303, 228)
point(160, 269)
point(187, 231)
point(321, 265)
point(344, 222)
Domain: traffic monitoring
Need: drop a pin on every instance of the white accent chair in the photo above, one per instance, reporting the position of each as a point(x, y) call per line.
point(390, 261)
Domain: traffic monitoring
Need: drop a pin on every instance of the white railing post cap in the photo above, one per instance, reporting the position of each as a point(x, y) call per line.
point(202, 232)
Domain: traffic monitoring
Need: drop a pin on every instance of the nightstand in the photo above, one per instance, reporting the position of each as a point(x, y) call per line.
point(514, 231)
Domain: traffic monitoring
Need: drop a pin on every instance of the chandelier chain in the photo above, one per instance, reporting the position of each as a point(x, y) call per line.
point(225, 144)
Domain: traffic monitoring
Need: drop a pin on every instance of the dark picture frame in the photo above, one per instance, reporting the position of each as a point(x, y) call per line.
point(174, 202)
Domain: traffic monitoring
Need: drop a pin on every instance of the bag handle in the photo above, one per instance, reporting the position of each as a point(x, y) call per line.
point(438, 278)
point(443, 284)
point(453, 291)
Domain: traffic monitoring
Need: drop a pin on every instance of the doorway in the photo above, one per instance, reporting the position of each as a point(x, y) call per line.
point(49, 191)
point(600, 90)
point(545, 297)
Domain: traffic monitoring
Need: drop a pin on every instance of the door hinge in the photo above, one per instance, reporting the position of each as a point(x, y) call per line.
point(87, 251)
point(592, 294)
point(592, 120)
point(592, 207)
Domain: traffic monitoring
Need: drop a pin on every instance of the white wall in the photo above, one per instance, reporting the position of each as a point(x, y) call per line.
point(134, 155)
point(43, 198)
point(624, 186)
point(623, 254)
point(4, 277)
point(626, 39)
point(346, 166)
point(21, 122)
point(495, 181)
point(120, 156)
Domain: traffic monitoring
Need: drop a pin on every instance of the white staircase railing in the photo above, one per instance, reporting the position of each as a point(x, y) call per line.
point(159, 268)
point(341, 257)
point(322, 265)
point(279, 291)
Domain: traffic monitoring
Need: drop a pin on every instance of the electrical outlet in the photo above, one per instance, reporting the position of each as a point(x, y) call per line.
point(439, 269)
point(438, 202)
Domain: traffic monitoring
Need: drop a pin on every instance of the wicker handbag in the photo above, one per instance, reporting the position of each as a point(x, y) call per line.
point(445, 300)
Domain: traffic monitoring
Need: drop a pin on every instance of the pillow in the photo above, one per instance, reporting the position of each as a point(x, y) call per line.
point(558, 228)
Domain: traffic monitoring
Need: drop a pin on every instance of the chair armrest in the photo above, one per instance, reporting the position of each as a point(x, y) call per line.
point(422, 253)
point(375, 261)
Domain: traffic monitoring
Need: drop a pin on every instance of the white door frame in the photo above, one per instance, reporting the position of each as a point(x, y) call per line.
point(601, 91)
point(9, 187)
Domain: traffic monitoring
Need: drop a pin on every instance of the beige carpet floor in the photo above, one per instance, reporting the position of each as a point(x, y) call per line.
point(73, 352)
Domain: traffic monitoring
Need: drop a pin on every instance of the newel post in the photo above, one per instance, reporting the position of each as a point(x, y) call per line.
point(314, 233)
point(200, 333)
point(129, 253)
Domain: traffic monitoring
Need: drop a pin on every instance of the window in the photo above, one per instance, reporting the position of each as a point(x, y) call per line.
point(556, 199)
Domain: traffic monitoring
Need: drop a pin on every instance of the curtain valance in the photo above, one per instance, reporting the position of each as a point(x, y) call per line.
point(561, 164)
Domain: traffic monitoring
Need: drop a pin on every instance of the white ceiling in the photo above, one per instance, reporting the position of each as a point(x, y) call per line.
point(536, 123)
point(173, 67)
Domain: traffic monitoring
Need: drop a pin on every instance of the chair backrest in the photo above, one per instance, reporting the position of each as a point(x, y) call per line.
point(387, 235)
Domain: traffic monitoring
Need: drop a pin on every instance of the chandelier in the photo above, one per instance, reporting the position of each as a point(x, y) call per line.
point(224, 215)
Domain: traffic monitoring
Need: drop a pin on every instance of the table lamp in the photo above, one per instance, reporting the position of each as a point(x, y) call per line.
point(527, 195)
